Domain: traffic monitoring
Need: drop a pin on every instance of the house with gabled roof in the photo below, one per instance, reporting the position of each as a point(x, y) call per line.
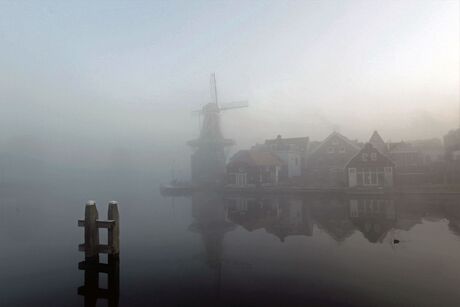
point(254, 167)
point(406, 156)
point(370, 168)
point(326, 163)
point(409, 164)
point(293, 153)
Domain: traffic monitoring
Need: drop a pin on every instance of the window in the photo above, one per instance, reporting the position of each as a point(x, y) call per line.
point(342, 149)
point(330, 150)
point(242, 204)
point(360, 176)
point(367, 178)
point(380, 178)
point(373, 178)
point(240, 179)
point(374, 156)
point(365, 156)
point(370, 176)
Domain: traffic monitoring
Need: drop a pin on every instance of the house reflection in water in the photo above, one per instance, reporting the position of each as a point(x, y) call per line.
point(331, 215)
point(373, 217)
point(338, 216)
point(367, 224)
point(280, 216)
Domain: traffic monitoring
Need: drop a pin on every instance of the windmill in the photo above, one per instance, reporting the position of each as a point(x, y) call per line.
point(208, 159)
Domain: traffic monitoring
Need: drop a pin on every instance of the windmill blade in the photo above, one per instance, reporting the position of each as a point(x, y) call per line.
point(234, 105)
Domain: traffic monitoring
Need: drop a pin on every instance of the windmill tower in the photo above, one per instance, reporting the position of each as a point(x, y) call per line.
point(208, 159)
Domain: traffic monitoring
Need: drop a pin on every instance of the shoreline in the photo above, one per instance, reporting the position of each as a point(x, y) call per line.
point(395, 191)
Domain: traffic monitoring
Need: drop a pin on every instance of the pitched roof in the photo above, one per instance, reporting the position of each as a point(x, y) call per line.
point(382, 159)
point(377, 141)
point(257, 157)
point(300, 141)
point(312, 146)
point(333, 134)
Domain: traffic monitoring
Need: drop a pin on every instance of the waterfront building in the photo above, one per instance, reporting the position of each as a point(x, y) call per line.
point(409, 163)
point(370, 168)
point(254, 167)
point(326, 163)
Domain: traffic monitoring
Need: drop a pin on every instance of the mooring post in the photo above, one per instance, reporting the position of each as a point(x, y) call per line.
point(113, 257)
point(92, 249)
point(114, 232)
point(91, 231)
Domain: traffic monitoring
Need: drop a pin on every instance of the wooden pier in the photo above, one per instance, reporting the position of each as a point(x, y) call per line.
point(93, 248)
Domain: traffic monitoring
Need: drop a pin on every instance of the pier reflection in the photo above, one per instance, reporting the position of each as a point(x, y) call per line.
point(91, 290)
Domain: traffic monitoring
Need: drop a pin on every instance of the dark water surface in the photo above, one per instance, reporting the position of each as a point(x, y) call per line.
point(211, 249)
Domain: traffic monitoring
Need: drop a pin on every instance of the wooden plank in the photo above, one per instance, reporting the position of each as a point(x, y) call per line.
point(105, 224)
point(98, 292)
point(99, 223)
point(96, 267)
point(101, 248)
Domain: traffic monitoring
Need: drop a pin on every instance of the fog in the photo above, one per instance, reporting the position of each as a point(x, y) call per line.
point(89, 83)
point(293, 204)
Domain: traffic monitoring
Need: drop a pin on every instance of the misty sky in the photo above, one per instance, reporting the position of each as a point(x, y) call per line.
point(118, 75)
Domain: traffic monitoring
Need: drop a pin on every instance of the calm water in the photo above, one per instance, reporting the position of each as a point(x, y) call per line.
point(230, 250)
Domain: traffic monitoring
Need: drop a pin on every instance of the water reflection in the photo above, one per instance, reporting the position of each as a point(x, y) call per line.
point(280, 216)
point(91, 290)
point(209, 221)
point(250, 250)
point(334, 244)
point(339, 216)
point(374, 218)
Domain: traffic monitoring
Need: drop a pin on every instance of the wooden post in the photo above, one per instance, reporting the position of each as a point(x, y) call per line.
point(92, 248)
point(114, 232)
point(113, 279)
point(91, 231)
point(113, 257)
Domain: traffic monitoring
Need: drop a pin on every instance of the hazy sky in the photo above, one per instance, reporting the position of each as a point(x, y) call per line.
point(127, 74)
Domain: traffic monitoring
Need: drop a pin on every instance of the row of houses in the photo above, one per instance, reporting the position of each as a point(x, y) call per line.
point(337, 162)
